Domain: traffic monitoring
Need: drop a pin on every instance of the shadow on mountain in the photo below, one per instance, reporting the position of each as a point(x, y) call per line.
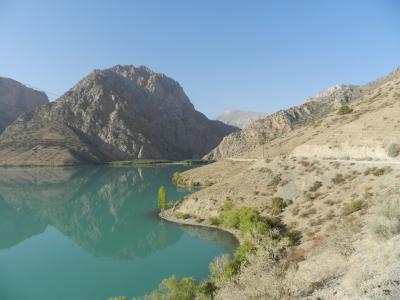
point(104, 210)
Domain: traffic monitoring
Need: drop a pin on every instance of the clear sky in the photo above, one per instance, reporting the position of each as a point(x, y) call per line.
point(249, 55)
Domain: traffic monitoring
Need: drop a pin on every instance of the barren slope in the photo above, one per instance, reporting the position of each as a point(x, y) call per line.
point(346, 211)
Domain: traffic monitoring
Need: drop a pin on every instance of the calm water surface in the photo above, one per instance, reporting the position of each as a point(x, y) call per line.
point(92, 233)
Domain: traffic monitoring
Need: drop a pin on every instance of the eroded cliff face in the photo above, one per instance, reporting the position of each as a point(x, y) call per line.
point(15, 99)
point(124, 112)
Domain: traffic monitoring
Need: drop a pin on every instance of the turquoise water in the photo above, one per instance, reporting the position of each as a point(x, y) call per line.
point(93, 232)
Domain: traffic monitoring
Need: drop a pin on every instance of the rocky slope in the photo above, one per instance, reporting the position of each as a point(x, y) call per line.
point(15, 99)
point(283, 121)
point(124, 112)
point(240, 118)
point(334, 181)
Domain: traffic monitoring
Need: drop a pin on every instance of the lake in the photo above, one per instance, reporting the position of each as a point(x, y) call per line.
point(93, 232)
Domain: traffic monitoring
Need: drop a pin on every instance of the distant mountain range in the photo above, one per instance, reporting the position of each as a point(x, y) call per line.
point(121, 113)
point(240, 118)
point(282, 121)
point(15, 99)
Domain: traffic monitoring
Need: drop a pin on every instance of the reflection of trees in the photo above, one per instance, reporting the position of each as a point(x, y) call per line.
point(105, 210)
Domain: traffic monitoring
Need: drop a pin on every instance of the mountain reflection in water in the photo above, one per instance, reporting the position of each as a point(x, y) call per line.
point(99, 208)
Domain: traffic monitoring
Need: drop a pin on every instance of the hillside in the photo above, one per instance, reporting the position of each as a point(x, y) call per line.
point(15, 99)
point(124, 112)
point(284, 121)
point(327, 193)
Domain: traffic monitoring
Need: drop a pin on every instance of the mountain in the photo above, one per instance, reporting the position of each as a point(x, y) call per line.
point(240, 118)
point(335, 174)
point(286, 120)
point(15, 99)
point(124, 112)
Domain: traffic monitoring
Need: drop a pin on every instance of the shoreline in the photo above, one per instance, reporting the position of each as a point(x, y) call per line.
point(116, 163)
point(190, 222)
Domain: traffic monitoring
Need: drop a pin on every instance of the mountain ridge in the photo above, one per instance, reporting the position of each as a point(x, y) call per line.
point(124, 112)
point(285, 120)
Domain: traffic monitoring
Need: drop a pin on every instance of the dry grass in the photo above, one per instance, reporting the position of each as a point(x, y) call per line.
point(385, 222)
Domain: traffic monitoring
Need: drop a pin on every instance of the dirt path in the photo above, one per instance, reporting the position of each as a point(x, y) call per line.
point(241, 159)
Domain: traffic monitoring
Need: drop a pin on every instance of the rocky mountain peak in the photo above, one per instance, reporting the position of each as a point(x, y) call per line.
point(337, 95)
point(331, 90)
point(124, 112)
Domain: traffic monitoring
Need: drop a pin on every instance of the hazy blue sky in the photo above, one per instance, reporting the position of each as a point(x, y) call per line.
point(250, 55)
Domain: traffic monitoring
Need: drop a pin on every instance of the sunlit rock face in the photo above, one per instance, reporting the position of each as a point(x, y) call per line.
point(124, 112)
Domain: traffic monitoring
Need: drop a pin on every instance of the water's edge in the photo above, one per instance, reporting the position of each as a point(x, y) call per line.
point(169, 217)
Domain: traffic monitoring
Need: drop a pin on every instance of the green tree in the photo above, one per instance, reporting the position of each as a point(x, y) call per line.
point(162, 198)
point(183, 289)
point(262, 138)
point(207, 288)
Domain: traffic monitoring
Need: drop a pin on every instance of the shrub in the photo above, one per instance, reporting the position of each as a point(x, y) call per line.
point(230, 218)
point(379, 172)
point(247, 219)
point(338, 179)
point(315, 186)
point(177, 178)
point(173, 288)
point(214, 221)
point(183, 288)
point(393, 150)
point(344, 109)
point(278, 205)
point(228, 205)
point(250, 221)
point(385, 222)
point(243, 250)
point(275, 180)
point(207, 288)
point(352, 207)
point(239, 258)
point(181, 215)
point(218, 267)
